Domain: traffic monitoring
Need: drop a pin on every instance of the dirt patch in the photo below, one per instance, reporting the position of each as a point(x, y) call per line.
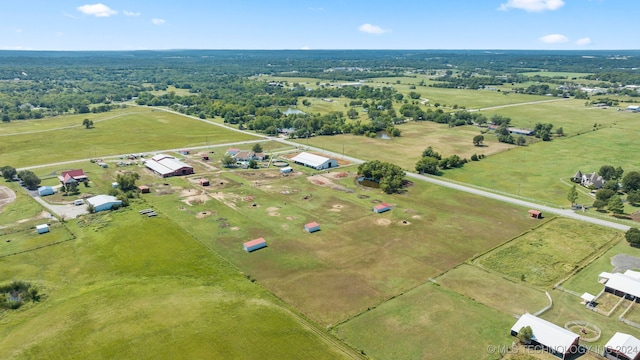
point(416, 217)
point(336, 208)
point(273, 211)
point(404, 222)
point(197, 199)
point(290, 218)
point(635, 216)
point(234, 228)
point(383, 222)
point(188, 192)
point(7, 196)
point(204, 214)
point(227, 199)
point(362, 196)
point(324, 180)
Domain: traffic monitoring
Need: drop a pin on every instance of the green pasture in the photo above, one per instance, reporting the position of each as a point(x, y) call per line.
point(343, 259)
point(493, 290)
point(407, 149)
point(587, 279)
point(428, 322)
point(542, 170)
point(633, 314)
point(133, 287)
point(139, 131)
point(24, 207)
point(549, 253)
point(17, 241)
point(171, 88)
point(566, 75)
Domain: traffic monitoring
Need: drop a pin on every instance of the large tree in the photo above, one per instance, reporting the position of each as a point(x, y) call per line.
point(607, 172)
point(633, 237)
point(389, 176)
point(525, 335)
point(257, 148)
point(477, 140)
point(427, 164)
point(631, 181)
point(633, 197)
point(8, 173)
point(127, 182)
point(615, 205)
point(29, 179)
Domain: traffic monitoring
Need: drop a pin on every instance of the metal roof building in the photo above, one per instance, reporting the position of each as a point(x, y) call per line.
point(255, 244)
point(622, 346)
point(555, 339)
point(166, 165)
point(103, 202)
point(623, 285)
point(314, 161)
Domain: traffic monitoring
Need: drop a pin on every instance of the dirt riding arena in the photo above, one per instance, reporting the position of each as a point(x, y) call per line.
point(7, 196)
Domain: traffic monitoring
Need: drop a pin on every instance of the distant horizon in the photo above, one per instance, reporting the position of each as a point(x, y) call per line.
point(311, 50)
point(138, 25)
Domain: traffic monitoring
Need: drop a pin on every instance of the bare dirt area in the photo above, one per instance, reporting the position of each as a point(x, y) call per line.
point(325, 180)
point(228, 199)
point(273, 211)
point(383, 222)
point(7, 196)
point(204, 214)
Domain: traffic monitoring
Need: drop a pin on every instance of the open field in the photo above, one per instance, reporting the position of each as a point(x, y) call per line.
point(428, 322)
point(565, 75)
point(343, 259)
point(551, 252)
point(407, 149)
point(24, 207)
point(633, 314)
point(108, 295)
point(145, 130)
point(25, 240)
point(493, 290)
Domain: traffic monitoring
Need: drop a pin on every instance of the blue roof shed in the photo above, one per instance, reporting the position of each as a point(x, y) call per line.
point(45, 190)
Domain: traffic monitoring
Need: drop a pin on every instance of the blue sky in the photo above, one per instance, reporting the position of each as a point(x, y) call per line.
point(318, 24)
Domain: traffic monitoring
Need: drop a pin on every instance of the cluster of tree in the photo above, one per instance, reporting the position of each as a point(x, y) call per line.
point(543, 131)
point(127, 188)
point(619, 77)
point(30, 180)
point(432, 162)
point(87, 123)
point(8, 172)
point(389, 176)
point(633, 237)
point(616, 185)
point(15, 294)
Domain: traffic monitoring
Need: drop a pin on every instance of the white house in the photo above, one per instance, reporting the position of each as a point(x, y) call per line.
point(314, 161)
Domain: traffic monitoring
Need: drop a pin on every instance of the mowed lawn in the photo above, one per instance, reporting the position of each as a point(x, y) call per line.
point(428, 322)
point(137, 131)
point(360, 258)
point(407, 149)
point(134, 287)
point(549, 253)
point(493, 290)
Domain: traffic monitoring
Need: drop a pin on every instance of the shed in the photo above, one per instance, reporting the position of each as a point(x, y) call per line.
point(587, 298)
point(204, 182)
point(104, 202)
point(41, 229)
point(380, 208)
point(114, 185)
point(45, 190)
point(535, 214)
point(312, 227)
point(286, 170)
point(144, 189)
point(255, 244)
point(204, 156)
point(622, 346)
point(555, 339)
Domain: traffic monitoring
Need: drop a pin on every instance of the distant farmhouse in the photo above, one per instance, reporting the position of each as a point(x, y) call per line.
point(513, 130)
point(314, 161)
point(248, 156)
point(633, 108)
point(72, 176)
point(166, 165)
point(589, 180)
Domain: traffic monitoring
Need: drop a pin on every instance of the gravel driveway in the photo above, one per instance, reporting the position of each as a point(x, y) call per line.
point(623, 262)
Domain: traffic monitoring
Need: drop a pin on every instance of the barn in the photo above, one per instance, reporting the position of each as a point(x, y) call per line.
point(535, 214)
point(286, 170)
point(553, 338)
point(255, 244)
point(144, 189)
point(622, 347)
point(312, 227)
point(166, 165)
point(624, 285)
point(204, 182)
point(314, 161)
point(380, 208)
point(41, 229)
point(45, 190)
point(104, 202)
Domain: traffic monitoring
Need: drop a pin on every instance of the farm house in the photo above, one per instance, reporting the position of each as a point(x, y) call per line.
point(535, 214)
point(555, 339)
point(45, 190)
point(165, 166)
point(103, 202)
point(314, 161)
point(255, 244)
point(70, 176)
point(622, 346)
point(312, 227)
point(41, 229)
point(380, 208)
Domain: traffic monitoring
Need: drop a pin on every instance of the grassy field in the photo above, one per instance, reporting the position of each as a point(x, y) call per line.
point(544, 256)
point(142, 288)
point(493, 290)
point(426, 323)
point(24, 207)
point(343, 259)
point(145, 130)
point(13, 242)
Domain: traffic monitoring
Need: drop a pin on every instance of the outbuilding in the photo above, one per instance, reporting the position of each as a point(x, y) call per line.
point(255, 244)
point(165, 166)
point(535, 214)
point(41, 229)
point(144, 189)
point(553, 338)
point(45, 190)
point(114, 185)
point(104, 202)
point(312, 227)
point(624, 285)
point(204, 182)
point(622, 347)
point(380, 208)
point(286, 170)
point(314, 161)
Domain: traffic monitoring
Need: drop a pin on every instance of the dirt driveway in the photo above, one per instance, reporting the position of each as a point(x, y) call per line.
point(7, 196)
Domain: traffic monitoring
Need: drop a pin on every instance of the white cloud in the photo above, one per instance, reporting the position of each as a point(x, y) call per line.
point(372, 29)
point(97, 10)
point(130, 13)
point(304, 48)
point(158, 21)
point(532, 5)
point(583, 41)
point(554, 39)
